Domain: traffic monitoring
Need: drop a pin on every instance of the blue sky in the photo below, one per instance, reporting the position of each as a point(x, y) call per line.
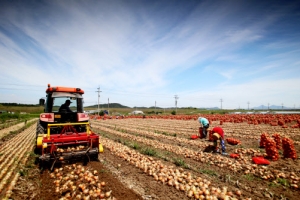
point(141, 52)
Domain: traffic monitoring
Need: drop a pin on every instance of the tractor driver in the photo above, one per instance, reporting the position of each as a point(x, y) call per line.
point(65, 106)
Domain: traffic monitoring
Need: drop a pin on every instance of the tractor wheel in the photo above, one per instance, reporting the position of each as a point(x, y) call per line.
point(39, 130)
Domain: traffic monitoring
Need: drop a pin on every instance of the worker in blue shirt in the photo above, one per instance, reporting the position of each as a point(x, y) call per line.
point(204, 123)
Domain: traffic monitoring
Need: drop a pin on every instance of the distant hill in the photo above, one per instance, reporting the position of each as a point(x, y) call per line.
point(272, 107)
point(153, 107)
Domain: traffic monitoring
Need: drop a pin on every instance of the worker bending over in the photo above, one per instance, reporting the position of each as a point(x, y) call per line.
point(218, 139)
point(204, 124)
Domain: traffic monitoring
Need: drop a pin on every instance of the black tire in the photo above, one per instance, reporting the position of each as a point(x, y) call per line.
point(39, 130)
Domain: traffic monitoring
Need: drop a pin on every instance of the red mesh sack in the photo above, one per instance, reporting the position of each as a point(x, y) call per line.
point(200, 132)
point(263, 139)
point(260, 161)
point(234, 155)
point(193, 137)
point(210, 137)
point(233, 141)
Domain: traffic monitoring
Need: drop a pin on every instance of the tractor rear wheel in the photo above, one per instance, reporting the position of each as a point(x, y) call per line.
point(39, 130)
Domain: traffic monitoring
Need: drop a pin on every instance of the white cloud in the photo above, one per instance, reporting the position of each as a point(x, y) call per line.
point(140, 49)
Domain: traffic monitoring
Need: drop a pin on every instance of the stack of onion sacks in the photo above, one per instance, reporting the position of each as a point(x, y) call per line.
point(277, 139)
point(288, 148)
point(271, 149)
point(263, 140)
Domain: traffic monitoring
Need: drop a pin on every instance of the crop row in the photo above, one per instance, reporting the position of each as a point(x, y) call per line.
point(194, 186)
point(243, 164)
point(14, 154)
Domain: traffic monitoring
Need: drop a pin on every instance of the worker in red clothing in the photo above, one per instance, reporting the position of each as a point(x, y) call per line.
point(218, 139)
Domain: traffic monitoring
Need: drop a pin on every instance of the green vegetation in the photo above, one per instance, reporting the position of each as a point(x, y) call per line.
point(283, 182)
point(249, 177)
point(208, 172)
point(4, 117)
point(19, 108)
point(24, 169)
point(179, 162)
point(148, 151)
point(136, 146)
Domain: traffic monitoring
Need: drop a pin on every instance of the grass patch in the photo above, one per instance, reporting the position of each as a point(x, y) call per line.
point(249, 177)
point(136, 146)
point(179, 162)
point(149, 152)
point(272, 184)
point(208, 172)
point(119, 140)
point(283, 181)
point(23, 172)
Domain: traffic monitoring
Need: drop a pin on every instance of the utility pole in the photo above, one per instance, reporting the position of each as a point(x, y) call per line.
point(176, 97)
point(108, 105)
point(155, 108)
point(248, 104)
point(221, 100)
point(98, 90)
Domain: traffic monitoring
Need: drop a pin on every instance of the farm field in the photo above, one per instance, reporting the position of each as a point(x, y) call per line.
point(154, 158)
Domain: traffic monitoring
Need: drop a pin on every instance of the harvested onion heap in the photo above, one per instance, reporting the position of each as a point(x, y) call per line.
point(271, 149)
point(263, 139)
point(77, 182)
point(70, 149)
point(288, 148)
point(277, 139)
point(233, 141)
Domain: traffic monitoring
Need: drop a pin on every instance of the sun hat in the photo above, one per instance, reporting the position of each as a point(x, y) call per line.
point(68, 101)
point(216, 135)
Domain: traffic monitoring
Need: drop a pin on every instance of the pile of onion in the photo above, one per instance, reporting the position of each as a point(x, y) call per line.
point(288, 148)
point(78, 182)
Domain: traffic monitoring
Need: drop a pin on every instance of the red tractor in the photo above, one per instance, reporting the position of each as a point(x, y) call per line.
point(63, 132)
